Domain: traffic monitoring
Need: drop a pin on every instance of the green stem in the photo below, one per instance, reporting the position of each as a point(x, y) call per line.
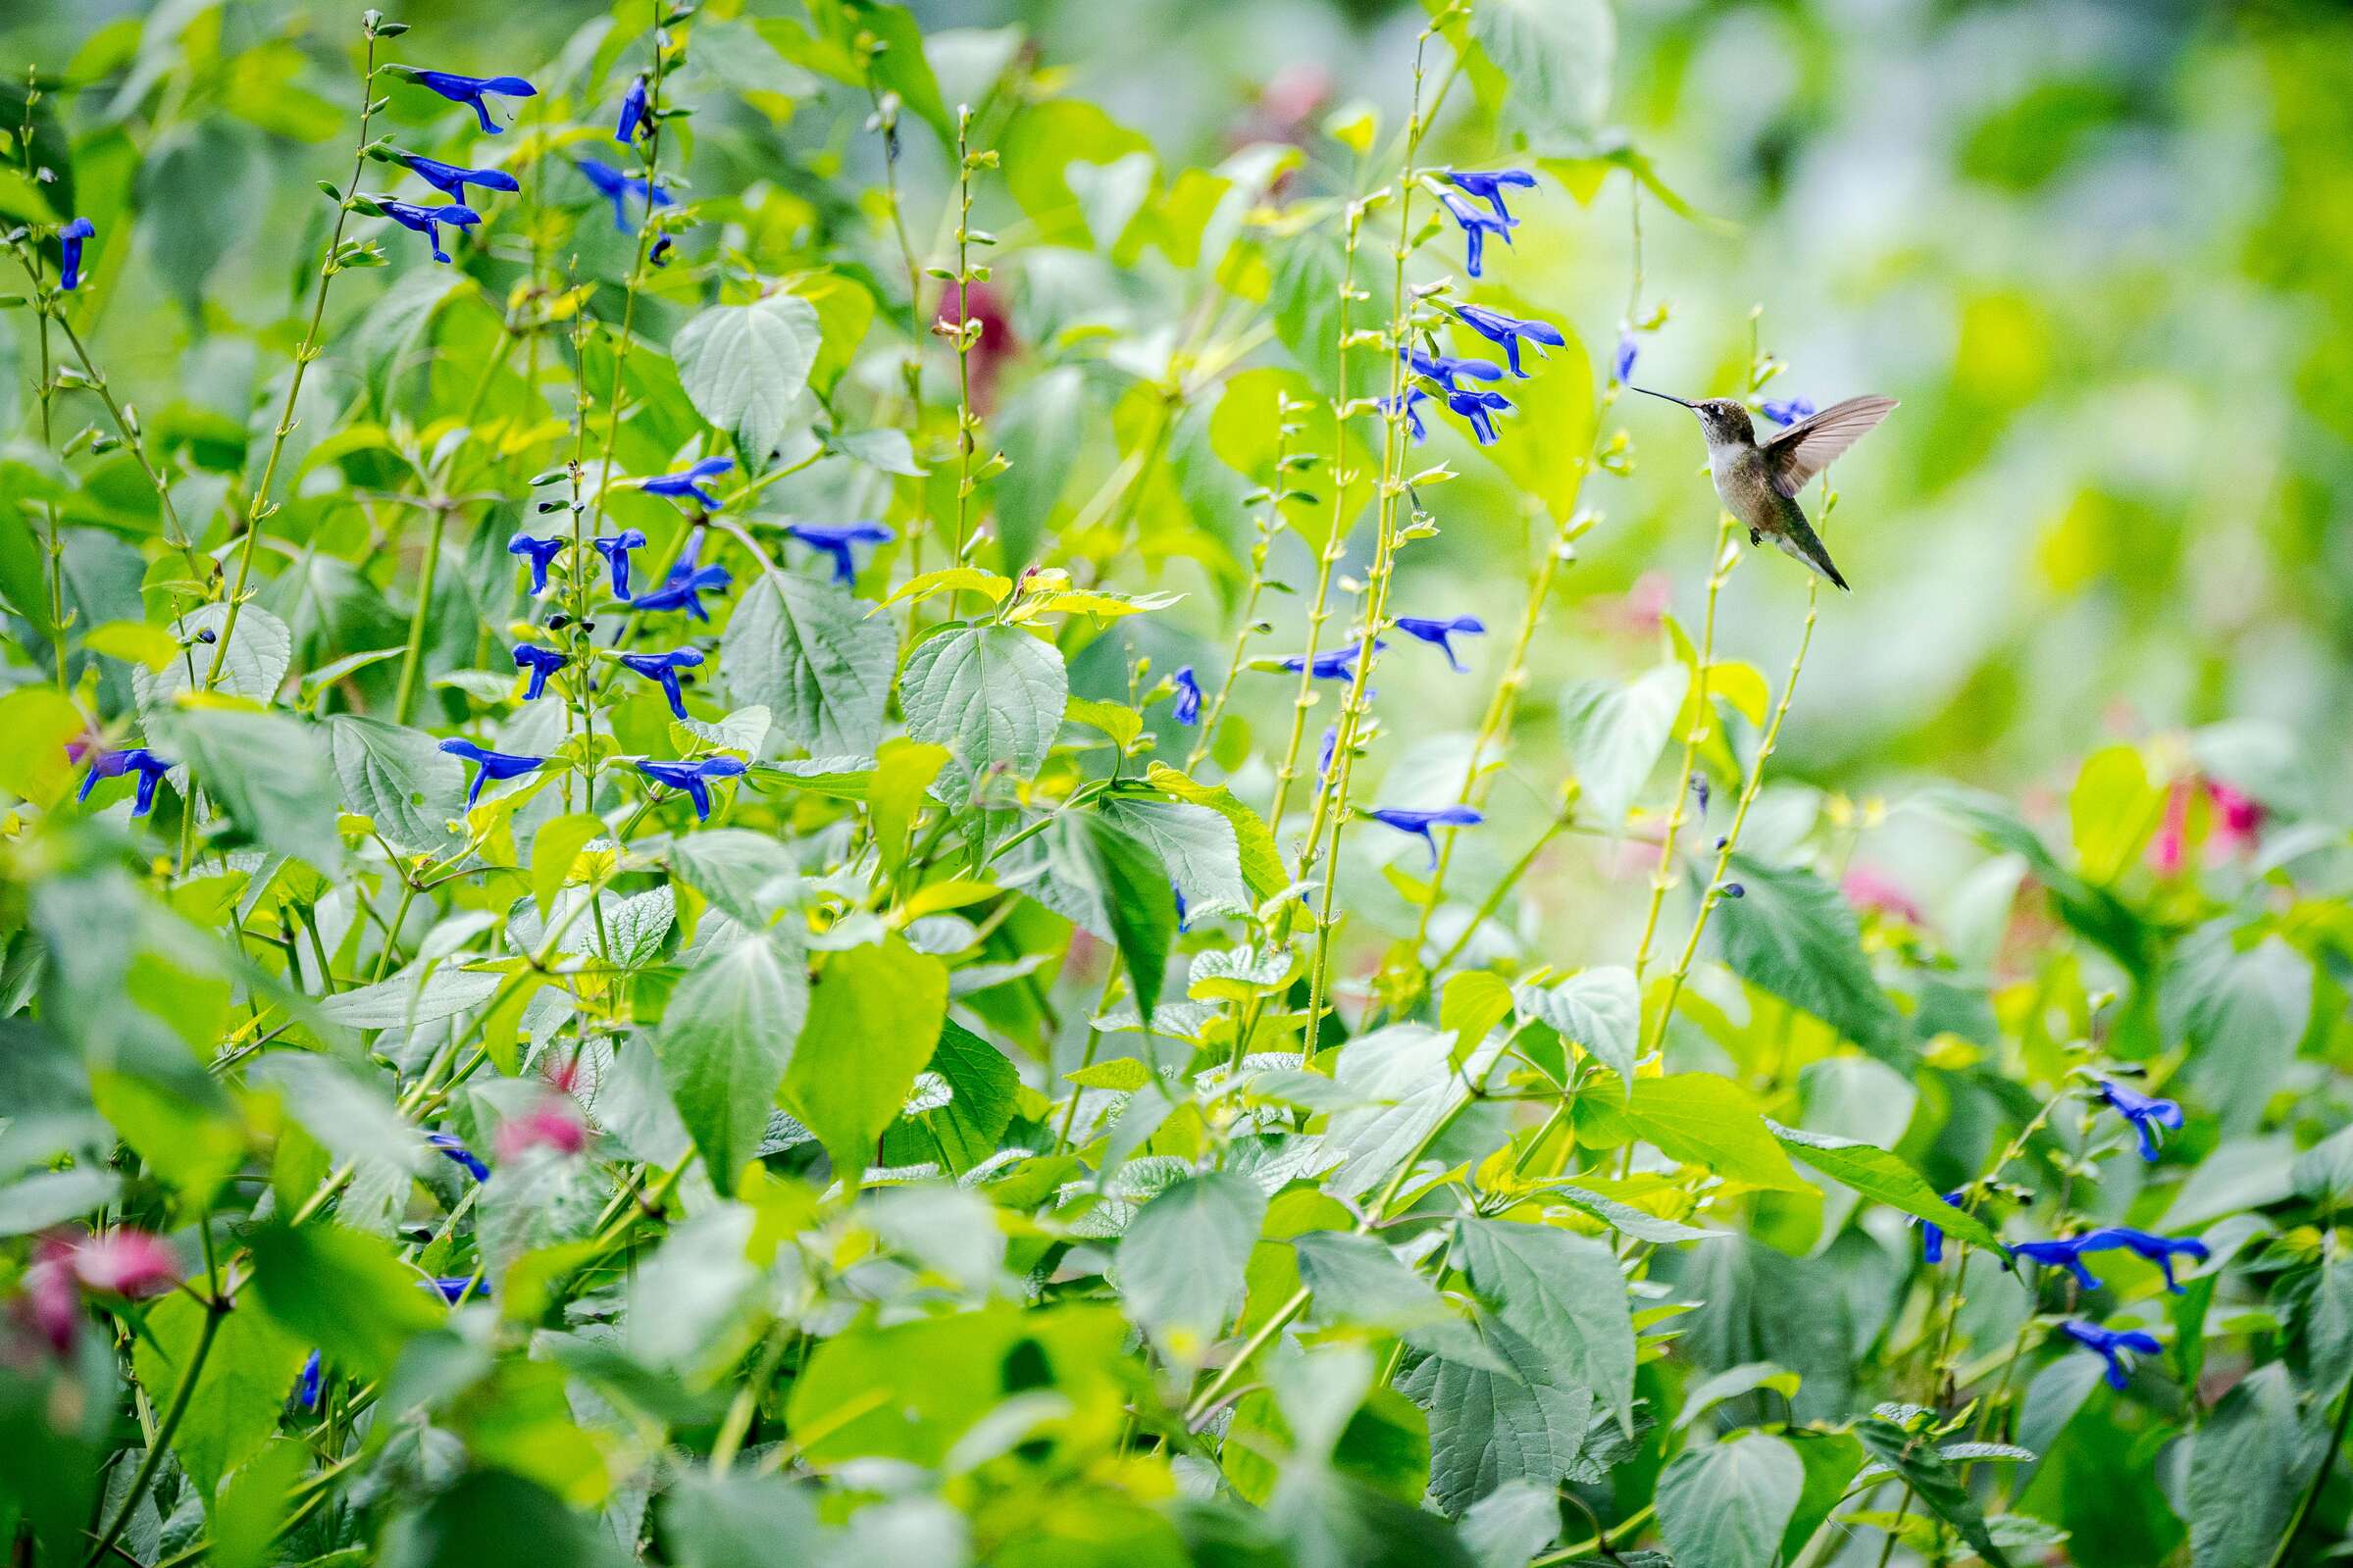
point(181, 1394)
point(412, 660)
point(2319, 1474)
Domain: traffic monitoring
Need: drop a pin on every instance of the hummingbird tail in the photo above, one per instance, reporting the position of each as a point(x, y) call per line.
point(1800, 541)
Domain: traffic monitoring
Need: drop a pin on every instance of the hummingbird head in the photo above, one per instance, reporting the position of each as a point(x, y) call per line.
point(1723, 420)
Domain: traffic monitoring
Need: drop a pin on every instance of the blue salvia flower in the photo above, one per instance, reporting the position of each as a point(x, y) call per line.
point(1507, 333)
point(542, 663)
point(1323, 751)
point(131, 759)
point(835, 540)
point(1786, 410)
point(1187, 697)
point(2067, 1254)
point(306, 1387)
point(684, 587)
point(2151, 1118)
point(690, 481)
point(448, 1146)
point(469, 89)
point(2110, 1344)
point(1337, 664)
point(542, 553)
point(694, 778)
point(1413, 397)
point(1476, 226)
point(615, 548)
point(428, 220)
point(1480, 408)
point(451, 180)
point(1419, 823)
point(662, 669)
point(453, 1288)
point(621, 189)
point(632, 113)
point(1489, 186)
point(1932, 1235)
point(69, 252)
point(1444, 368)
point(1436, 633)
point(1629, 348)
point(2158, 1249)
point(1178, 893)
point(489, 765)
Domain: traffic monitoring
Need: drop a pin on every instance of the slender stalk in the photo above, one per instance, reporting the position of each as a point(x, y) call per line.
point(182, 1392)
point(412, 659)
point(1662, 879)
point(259, 509)
point(747, 1402)
point(1270, 522)
point(636, 268)
point(2319, 1474)
point(964, 340)
point(56, 552)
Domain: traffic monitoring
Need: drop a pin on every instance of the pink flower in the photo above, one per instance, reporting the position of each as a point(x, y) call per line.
point(1867, 887)
point(2237, 818)
point(50, 1306)
point(555, 1125)
point(126, 1262)
point(995, 346)
point(2172, 835)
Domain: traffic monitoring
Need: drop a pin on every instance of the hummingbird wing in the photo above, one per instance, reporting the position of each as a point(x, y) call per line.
point(1809, 447)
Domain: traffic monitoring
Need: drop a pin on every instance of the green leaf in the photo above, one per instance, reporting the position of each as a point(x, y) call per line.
point(1489, 1429)
point(993, 694)
point(741, 1520)
point(1876, 1174)
point(342, 1292)
point(1137, 900)
point(1407, 1078)
point(246, 1376)
point(555, 849)
point(1039, 432)
point(493, 1515)
point(2247, 1465)
point(51, 1198)
point(745, 366)
point(985, 1087)
point(1616, 733)
point(1935, 1484)
point(1598, 1010)
point(1244, 427)
point(392, 336)
point(1179, 1267)
point(1627, 1220)
point(1565, 1295)
point(1792, 934)
point(814, 657)
point(1727, 1504)
point(2114, 810)
point(1195, 846)
point(2241, 1013)
point(872, 1025)
point(1555, 58)
point(1037, 151)
point(1732, 1384)
point(1261, 862)
point(269, 775)
point(259, 651)
point(400, 780)
point(1700, 1118)
point(725, 1042)
point(730, 866)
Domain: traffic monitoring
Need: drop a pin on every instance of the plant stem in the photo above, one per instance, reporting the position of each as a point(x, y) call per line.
point(637, 269)
point(2319, 1474)
point(258, 511)
point(412, 659)
point(1270, 522)
point(1719, 568)
point(182, 1392)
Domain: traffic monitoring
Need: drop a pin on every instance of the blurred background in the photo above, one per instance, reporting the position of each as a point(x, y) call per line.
point(2098, 250)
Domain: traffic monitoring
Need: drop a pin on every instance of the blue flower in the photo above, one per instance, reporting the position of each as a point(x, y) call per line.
point(621, 189)
point(453, 181)
point(691, 483)
point(1436, 633)
point(1444, 368)
point(1178, 893)
point(2110, 1343)
point(1480, 408)
point(1337, 664)
point(542, 663)
point(1932, 1235)
point(1627, 350)
point(306, 1387)
point(453, 1288)
point(456, 1151)
point(69, 252)
point(663, 668)
point(1411, 398)
point(1476, 226)
point(131, 759)
point(694, 778)
point(835, 538)
point(2158, 1249)
point(1187, 697)
point(1419, 823)
point(684, 589)
point(490, 765)
point(1489, 187)
point(2151, 1118)
point(469, 89)
point(426, 220)
point(1323, 751)
point(1786, 410)
point(541, 552)
point(2067, 1254)
point(632, 113)
point(615, 548)
point(1507, 333)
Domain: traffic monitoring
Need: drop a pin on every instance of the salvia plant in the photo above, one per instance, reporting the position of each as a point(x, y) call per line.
point(787, 860)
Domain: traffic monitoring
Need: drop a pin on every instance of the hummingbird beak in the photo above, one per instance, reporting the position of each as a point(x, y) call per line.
point(1668, 396)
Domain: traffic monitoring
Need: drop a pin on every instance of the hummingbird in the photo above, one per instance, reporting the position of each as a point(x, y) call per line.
point(1759, 483)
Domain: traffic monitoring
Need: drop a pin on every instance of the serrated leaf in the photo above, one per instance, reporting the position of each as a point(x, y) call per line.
point(810, 654)
point(1598, 1010)
point(400, 780)
point(259, 651)
point(743, 366)
point(1792, 934)
point(872, 1023)
point(1727, 1503)
point(992, 694)
point(1179, 1266)
point(1565, 1295)
point(1700, 1118)
point(725, 1041)
point(1876, 1174)
point(1616, 733)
